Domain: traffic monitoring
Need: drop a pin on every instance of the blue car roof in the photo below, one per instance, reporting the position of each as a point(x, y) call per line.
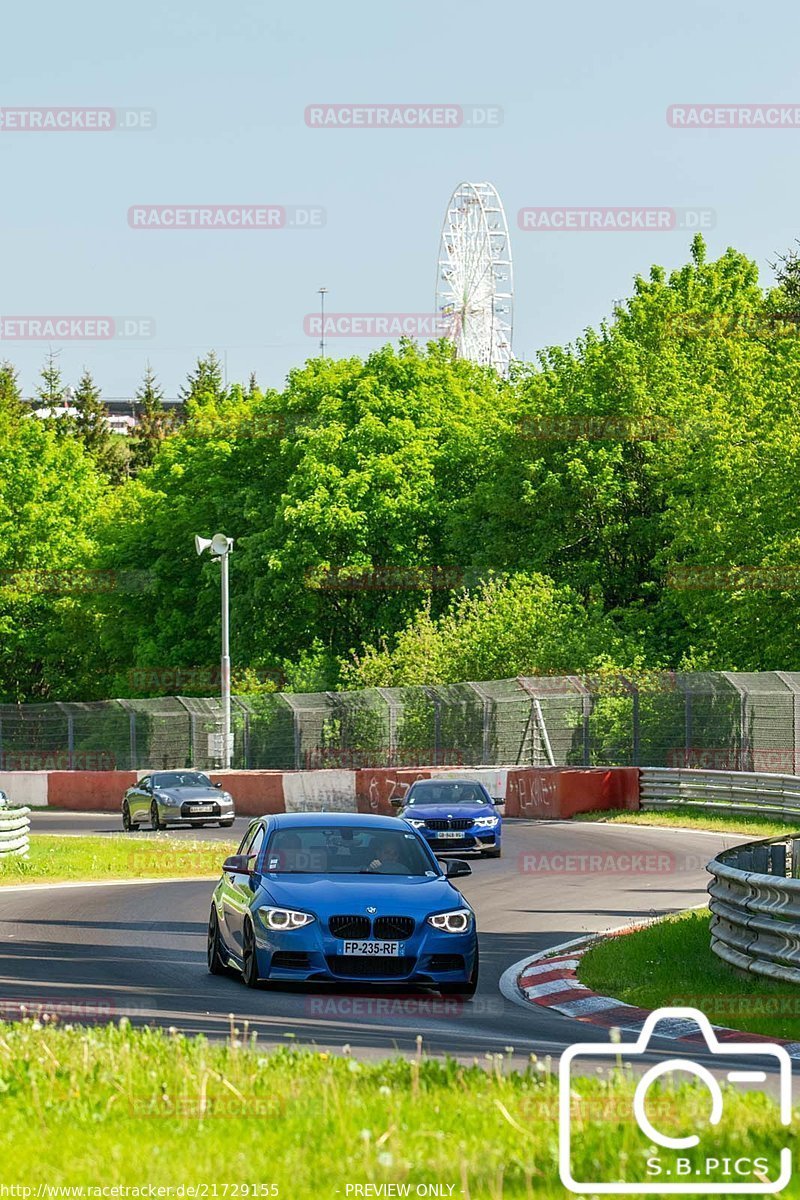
point(336, 819)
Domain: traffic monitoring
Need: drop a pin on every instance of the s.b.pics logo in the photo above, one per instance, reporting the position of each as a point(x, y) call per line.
point(685, 1148)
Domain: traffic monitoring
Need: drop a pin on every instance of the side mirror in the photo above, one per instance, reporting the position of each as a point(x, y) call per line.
point(238, 864)
point(396, 803)
point(217, 785)
point(455, 868)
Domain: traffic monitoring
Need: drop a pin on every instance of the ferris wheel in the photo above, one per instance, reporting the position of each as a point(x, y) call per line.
point(474, 278)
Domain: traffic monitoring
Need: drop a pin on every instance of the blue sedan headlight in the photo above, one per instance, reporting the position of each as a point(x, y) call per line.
point(458, 920)
point(486, 822)
point(417, 824)
point(284, 918)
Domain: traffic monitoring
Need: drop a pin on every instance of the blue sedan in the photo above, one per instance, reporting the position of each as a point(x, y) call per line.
point(338, 896)
point(454, 814)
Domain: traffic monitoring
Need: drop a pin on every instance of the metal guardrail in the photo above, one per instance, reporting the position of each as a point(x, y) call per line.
point(755, 907)
point(754, 793)
point(15, 828)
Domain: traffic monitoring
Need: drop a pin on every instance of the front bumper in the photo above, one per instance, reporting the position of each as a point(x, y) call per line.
point(469, 839)
point(429, 956)
point(181, 814)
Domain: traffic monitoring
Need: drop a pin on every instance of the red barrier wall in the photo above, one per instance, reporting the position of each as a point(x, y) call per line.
point(558, 793)
point(376, 787)
point(254, 792)
point(92, 791)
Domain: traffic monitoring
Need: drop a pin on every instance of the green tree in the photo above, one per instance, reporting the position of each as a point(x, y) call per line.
point(153, 422)
point(53, 396)
point(91, 427)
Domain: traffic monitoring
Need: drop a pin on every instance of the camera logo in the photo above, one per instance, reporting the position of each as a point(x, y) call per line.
point(679, 1164)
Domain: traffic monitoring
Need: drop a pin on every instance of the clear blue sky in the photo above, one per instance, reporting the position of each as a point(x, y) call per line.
point(584, 90)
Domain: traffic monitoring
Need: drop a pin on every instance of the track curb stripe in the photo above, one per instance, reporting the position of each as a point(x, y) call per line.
point(549, 980)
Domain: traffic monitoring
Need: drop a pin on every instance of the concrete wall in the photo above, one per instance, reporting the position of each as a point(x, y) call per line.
point(544, 793)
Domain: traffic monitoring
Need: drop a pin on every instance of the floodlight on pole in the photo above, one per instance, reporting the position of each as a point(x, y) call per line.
point(220, 546)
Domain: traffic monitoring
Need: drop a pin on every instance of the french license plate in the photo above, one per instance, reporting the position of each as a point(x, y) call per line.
point(200, 808)
point(374, 949)
point(451, 835)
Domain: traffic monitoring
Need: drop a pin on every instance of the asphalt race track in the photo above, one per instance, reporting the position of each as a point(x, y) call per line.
point(103, 951)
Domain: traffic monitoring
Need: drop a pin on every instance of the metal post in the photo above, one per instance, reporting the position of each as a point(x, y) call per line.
point(226, 665)
point(688, 724)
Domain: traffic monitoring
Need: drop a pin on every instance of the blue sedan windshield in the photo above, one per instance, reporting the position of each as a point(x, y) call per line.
point(434, 792)
point(346, 850)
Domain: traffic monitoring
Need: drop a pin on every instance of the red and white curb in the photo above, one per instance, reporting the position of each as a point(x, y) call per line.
point(549, 979)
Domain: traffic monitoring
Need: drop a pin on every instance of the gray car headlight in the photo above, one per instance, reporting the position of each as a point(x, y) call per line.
point(284, 918)
point(458, 920)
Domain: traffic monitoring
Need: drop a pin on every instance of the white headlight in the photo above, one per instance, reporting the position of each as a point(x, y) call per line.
point(284, 918)
point(416, 824)
point(457, 921)
point(486, 822)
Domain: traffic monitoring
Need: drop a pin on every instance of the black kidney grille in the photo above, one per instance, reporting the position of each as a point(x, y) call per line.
point(449, 823)
point(343, 926)
point(394, 928)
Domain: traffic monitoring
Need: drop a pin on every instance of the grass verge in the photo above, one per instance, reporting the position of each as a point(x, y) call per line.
point(670, 962)
point(56, 859)
point(142, 1107)
point(685, 817)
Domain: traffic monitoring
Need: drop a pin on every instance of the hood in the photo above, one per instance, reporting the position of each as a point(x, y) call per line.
point(424, 812)
point(389, 894)
point(192, 793)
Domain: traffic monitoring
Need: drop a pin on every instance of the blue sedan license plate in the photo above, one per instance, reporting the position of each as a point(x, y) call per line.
point(373, 949)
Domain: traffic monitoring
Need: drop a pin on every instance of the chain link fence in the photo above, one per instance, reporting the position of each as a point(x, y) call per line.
point(711, 720)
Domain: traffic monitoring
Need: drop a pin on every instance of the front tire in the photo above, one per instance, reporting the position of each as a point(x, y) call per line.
point(155, 819)
point(496, 853)
point(249, 957)
point(468, 988)
point(226, 824)
point(215, 964)
point(127, 823)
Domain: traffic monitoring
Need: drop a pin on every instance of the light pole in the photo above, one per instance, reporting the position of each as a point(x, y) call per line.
point(220, 547)
point(322, 292)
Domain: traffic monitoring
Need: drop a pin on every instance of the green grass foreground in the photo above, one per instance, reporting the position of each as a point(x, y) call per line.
point(670, 962)
point(686, 817)
point(53, 859)
point(116, 1105)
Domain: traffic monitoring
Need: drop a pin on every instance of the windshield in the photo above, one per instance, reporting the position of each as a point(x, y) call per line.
point(179, 779)
point(433, 792)
point(338, 850)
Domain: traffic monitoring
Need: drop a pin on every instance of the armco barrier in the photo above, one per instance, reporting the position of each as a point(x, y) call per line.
point(15, 826)
point(758, 793)
point(755, 907)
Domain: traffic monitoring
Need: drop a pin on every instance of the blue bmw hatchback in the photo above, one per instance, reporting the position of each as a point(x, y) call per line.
point(454, 814)
point(338, 896)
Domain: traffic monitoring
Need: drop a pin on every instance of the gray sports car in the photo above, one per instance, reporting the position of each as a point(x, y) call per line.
point(176, 798)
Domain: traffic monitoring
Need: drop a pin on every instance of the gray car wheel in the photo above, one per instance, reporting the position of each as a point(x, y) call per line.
point(155, 817)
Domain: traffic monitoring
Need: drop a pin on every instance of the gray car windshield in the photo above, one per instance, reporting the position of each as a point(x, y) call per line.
point(179, 779)
point(446, 793)
point(345, 850)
